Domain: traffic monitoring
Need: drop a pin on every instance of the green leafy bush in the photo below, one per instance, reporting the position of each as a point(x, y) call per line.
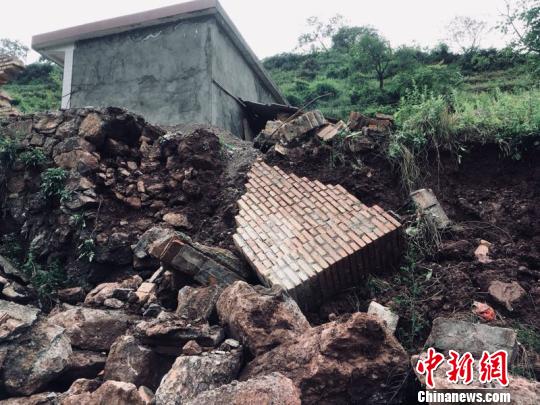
point(33, 157)
point(8, 150)
point(53, 183)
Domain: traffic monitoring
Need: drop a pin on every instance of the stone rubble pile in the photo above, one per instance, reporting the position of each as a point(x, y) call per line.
point(158, 314)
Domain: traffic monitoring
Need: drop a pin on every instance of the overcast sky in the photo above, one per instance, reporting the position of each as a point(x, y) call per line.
point(269, 26)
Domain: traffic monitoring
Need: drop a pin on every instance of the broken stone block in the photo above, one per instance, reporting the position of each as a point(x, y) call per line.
point(15, 319)
point(427, 204)
point(271, 389)
point(92, 329)
point(482, 252)
point(350, 360)
point(191, 348)
point(329, 131)
point(507, 294)
point(197, 304)
point(145, 292)
point(110, 392)
point(129, 361)
point(91, 129)
point(168, 336)
point(10, 270)
point(191, 375)
point(311, 239)
point(452, 334)
point(384, 314)
point(186, 258)
point(294, 130)
point(177, 220)
point(259, 317)
point(35, 359)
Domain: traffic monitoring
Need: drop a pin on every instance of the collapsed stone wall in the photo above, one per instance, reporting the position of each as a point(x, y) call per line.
point(116, 176)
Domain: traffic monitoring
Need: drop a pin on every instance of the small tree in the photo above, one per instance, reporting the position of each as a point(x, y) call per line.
point(466, 33)
point(320, 33)
point(14, 48)
point(372, 53)
point(523, 20)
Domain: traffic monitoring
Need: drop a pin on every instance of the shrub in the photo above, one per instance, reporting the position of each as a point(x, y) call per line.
point(8, 151)
point(33, 157)
point(53, 183)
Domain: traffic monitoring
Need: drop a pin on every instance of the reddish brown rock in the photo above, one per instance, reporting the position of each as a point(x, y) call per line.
point(350, 360)
point(191, 348)
point(259, 317)
point(272, 389)
point(110, 393)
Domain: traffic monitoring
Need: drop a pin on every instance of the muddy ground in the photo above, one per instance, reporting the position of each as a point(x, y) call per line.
point(487, 197)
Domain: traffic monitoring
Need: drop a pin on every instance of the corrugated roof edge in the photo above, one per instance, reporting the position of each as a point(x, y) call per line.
point(55, 39)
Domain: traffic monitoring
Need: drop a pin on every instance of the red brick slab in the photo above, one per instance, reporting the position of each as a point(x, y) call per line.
point(312, 239)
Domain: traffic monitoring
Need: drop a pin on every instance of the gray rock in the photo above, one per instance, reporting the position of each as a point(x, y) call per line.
point(197, 304)
point(93, 329)
point(191, 375)
point(271, 389)
point(8, 268)
point(452, 334)
point(427, 204)
point(384, 314)
point(131, 362)
point(15, 319)
point(35, 359)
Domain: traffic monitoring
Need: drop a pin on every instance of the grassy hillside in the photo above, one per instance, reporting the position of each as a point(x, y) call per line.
point(38, 88)
point(334, 73)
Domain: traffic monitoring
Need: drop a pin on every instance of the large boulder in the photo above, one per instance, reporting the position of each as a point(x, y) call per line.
point(129, 361)
point(35, 359)
point(15, 319)
point(259, 317)
point(191, 375)
point(271, 389)
point(350, 360)
point(92, 329)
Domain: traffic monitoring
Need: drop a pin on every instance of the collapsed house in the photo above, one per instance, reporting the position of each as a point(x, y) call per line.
point(185, 63)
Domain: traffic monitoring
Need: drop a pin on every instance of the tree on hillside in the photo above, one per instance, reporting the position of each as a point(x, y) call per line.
point(320, 34)
point(372, 53)
point(523, 20)
point(12, 47)
point(466, 33)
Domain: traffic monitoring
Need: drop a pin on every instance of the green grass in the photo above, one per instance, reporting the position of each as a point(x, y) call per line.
point(29, 98)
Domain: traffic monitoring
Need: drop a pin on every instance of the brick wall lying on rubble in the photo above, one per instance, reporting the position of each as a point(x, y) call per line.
point(311, 239)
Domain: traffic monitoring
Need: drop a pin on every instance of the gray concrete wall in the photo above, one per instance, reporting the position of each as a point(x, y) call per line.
point(231, 71)
point(161, 72)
